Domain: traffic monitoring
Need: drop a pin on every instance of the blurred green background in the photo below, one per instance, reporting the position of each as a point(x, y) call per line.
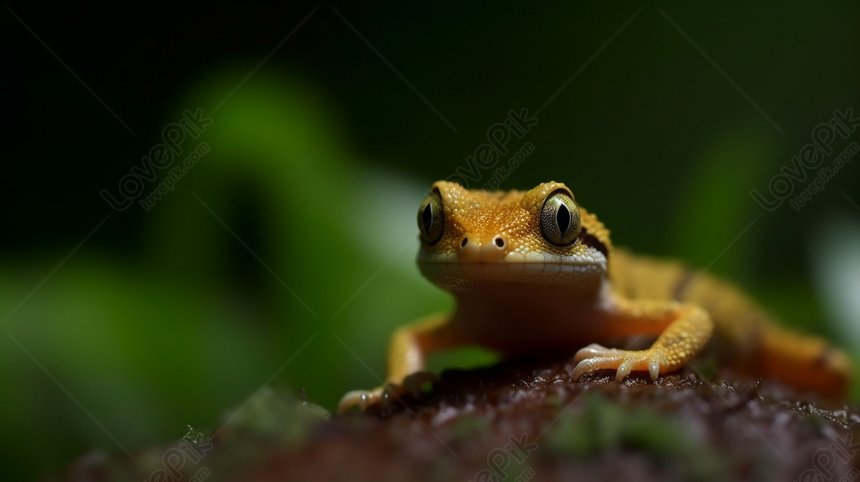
point(319, 159)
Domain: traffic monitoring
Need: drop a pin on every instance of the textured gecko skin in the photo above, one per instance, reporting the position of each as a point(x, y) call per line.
point(533, 272)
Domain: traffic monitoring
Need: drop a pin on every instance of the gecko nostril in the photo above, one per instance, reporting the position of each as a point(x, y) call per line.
point(464, 243)
point(499, 242)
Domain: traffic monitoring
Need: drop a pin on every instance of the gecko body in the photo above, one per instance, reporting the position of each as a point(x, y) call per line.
point(535, 272)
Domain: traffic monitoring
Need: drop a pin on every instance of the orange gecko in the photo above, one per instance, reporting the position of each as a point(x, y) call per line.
point(534, 272)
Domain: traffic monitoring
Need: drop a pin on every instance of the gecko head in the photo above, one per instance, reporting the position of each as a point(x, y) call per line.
point(536, 236)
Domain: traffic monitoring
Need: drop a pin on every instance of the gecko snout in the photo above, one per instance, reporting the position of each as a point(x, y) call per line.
point(474, 249)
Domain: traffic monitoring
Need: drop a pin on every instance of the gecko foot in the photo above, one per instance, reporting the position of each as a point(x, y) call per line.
point(595, 357)
point(384, 395)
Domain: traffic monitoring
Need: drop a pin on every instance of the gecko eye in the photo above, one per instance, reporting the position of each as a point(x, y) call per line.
point(431, 218)
point(559, 219)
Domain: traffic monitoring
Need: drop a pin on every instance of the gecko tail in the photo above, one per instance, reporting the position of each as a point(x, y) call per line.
point(804, 361)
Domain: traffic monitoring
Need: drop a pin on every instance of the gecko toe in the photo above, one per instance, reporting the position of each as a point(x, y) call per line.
point(589, 351)
point(583, 367)
point(623, 370)
point(595, 357)
point(354, 398)
point(593, 351)
point(364, 399)
point(654, 369)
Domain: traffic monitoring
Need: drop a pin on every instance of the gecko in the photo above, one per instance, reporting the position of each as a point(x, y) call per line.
point(534, 272)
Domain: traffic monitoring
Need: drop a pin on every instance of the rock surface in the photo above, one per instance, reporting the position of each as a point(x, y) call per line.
point(518, 421)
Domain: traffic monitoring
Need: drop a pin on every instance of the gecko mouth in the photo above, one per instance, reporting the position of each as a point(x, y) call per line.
point(592, 257)
point(514, 267)
point(459, 276)
point(482, 270)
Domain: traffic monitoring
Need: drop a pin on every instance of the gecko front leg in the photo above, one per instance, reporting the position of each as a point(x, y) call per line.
point(407, 354)
point(684, 330)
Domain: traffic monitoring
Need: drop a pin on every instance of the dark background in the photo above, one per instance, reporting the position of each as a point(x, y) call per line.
point(318, 161)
